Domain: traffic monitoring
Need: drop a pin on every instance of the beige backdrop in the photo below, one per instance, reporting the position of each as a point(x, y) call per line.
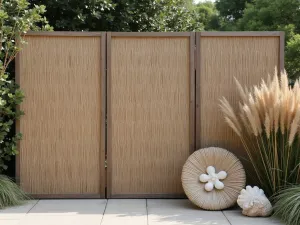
point(60, 151)
point(149, 115)
point(249, 59)
point(160, 105)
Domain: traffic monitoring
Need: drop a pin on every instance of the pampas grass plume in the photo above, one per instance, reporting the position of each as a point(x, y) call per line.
point(267, 122)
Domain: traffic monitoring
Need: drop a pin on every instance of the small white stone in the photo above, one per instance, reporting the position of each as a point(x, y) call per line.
point(219, 185)
point(204, 178)
point(210, 170)
point(222, 175)
point(209, 186)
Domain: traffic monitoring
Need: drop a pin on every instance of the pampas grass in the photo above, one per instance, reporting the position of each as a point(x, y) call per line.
point(287, 206)
point(267, 123)
point(10, 193)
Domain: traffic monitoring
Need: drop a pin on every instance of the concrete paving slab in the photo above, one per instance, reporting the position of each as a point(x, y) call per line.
point(9, 222)
point(66, 212)
point(87, 219)
point(18, 211)
point(171, 205)
point(181, 212)
point(236, 217)
point(125, 212)
point(69, 207)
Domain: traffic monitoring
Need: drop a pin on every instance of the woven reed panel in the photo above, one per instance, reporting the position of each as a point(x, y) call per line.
point(221, 59)
point(149, 105)
point(59, 153)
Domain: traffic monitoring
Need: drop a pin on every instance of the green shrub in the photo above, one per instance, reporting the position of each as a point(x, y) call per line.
point(292, 54)
point(10, 97)
point(287, 206)
point(15, 20)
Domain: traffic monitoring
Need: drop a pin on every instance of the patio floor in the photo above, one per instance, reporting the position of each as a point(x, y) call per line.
point(122, 212)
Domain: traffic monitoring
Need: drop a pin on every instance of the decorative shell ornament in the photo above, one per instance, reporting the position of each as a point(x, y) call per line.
point(254, 202)
point(212, 179)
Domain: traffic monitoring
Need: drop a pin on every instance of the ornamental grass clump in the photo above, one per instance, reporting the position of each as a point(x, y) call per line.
point(10, 193)
point(287, 206)
point(267, 123)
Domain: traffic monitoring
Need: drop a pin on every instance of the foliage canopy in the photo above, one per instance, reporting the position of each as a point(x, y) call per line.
point(16, 18)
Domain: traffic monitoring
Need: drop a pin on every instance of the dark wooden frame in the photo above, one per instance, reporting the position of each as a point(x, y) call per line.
point(279, 34)
point(191, 35)
point(102, 119)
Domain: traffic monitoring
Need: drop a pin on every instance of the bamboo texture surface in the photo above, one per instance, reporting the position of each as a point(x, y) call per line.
point(221, 59)
point(59, 153)
point(149, 109)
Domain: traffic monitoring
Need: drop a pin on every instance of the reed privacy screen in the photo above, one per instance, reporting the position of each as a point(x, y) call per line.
point(63, 144)
point(138, 103)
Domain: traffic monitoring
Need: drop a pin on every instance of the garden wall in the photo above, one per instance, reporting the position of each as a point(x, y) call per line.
point(138, 103)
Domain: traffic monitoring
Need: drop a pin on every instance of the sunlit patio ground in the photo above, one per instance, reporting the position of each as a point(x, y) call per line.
point(123, 212)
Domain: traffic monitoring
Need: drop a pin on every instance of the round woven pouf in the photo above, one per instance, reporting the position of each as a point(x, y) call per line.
point(221, 160)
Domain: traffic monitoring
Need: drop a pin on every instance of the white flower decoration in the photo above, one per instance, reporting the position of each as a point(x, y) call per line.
point(213, 179)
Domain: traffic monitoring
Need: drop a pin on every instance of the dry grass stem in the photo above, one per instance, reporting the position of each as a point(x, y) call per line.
point(294, 126)
point(263, 111)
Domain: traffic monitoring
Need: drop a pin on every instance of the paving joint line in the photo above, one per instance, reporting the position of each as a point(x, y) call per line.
point(33, 206)
point(147, 211)
point(104, 211)
point(27, 213)
point(226, 217)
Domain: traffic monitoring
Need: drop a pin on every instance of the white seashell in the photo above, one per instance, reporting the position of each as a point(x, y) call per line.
point(209, 186)
point(254, 202)
point(204, 178)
